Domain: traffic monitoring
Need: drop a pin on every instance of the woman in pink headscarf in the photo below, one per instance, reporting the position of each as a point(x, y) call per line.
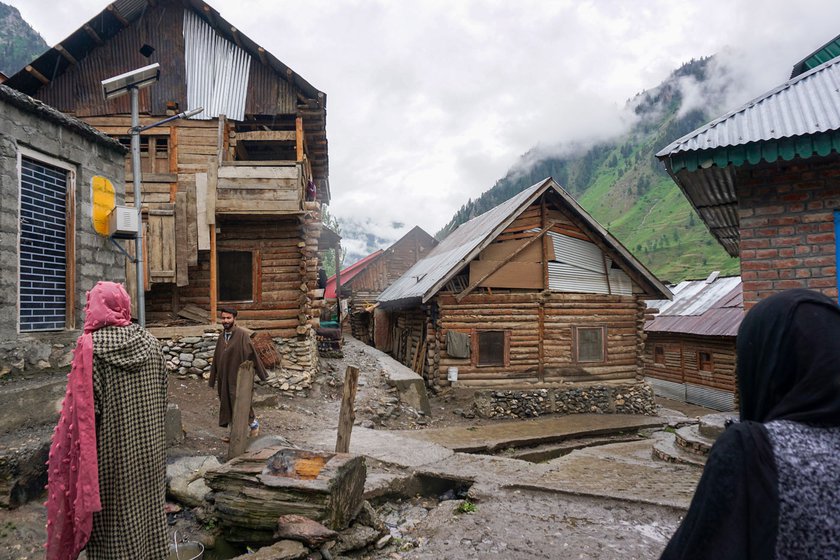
point(107, 464)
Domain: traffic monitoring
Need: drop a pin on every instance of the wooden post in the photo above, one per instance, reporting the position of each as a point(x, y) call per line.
point(338, 280)
point(239, 427)
point(299, 138)
point(213, 274)
point(348, 413)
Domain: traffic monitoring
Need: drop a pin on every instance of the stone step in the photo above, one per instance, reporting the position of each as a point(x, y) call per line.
point(690, 439)
point(712, 425)
point(666, 449)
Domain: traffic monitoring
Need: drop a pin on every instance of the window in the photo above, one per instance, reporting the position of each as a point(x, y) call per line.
point(154, 154)
point(45, 278)
point(704, 361)
point(236, 275)
point(659, 354)
point(491, 348)
point(590, 344)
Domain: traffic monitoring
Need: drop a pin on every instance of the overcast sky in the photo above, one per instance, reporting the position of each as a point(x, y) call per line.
point(430, 102)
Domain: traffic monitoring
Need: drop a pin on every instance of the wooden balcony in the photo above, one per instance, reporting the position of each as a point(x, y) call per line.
point(261, 188)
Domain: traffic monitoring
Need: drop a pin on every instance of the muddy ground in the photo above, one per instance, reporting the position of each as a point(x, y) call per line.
point(506, 523)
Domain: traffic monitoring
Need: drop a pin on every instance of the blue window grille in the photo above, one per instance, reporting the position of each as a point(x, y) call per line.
point(43, 247)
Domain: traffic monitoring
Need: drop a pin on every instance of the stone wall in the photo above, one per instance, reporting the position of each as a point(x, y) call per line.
point(43, 133)
point(190, 356)
point(625, 398)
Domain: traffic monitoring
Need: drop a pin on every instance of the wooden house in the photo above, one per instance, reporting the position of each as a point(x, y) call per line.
point(231, 197)
point(764, 179)
point(690, 342)
point(532, 292)
point(363, 281)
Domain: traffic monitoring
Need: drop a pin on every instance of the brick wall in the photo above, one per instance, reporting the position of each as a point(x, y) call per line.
point(787, 227)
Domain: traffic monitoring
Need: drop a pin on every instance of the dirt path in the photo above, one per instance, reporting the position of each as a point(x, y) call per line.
point(507, 522)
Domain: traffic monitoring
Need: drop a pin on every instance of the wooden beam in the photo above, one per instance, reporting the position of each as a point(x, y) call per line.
point(236, 38)
point(241, 407)
point(93, 34)
point(41, 78)
point(299, 137)
point(545, 259)
point(263, 56)
point(116, 13)
point(210, 15)
point(491, 272)
point(347, 414)
point(213, 274)
point(66, 54)
point(267, 136)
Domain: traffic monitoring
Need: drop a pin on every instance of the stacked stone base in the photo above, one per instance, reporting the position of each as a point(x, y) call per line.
point(190, 356)
point(629, 398)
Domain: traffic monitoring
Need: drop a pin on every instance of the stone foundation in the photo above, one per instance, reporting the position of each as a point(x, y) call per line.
point(630, 398)
point(44, 352)
point(190, 356)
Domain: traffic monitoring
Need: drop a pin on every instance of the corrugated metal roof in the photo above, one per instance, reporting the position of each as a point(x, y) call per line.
point(805, 105)
point(427, 276)
point(348, 273)
point(700, 307)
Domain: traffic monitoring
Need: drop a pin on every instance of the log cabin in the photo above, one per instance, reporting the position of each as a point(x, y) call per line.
point(533, 293)
point(764, 179)
point(230, 197)
point(690, 342)
point(363, 281)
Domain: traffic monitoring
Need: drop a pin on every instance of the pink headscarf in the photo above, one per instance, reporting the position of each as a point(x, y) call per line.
point(73, 488)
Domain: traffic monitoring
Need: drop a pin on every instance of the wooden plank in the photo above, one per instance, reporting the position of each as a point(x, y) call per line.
point(192, 225)
point(288, 171)
point(181, 243)
point(474, 285)
point(201, 212)
point(212, 185)
point(347, 413)
point(527, 275)
point(266, 136)
point(500, 251)
point(241, 407)
point(299, 138)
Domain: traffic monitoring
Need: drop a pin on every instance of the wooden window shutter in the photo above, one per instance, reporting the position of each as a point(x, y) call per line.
point(474, 347)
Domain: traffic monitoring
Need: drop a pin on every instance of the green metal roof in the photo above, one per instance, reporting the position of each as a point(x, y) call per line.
point(823, 54)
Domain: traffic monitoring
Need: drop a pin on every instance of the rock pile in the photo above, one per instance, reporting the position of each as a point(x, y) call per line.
point(632, 398)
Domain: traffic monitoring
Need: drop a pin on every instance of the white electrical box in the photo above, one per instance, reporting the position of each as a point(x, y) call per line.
point(123, 222)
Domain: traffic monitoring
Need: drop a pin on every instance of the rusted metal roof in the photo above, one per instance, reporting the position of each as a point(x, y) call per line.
point(348, 273)
point(711, 307)
point(423, 280)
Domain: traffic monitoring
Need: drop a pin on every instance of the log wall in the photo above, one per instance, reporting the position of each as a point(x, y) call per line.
point(681, 361)
point(541, 340)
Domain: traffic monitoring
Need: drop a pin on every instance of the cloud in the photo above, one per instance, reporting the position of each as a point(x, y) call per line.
point(430, 102)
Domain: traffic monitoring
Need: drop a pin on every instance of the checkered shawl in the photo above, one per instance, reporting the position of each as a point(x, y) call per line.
point(129, 385)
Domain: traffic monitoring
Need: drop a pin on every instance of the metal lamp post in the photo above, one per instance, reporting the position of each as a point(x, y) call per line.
point(131, 82)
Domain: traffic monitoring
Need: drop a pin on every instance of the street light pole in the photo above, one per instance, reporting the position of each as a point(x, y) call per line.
point(138, 204)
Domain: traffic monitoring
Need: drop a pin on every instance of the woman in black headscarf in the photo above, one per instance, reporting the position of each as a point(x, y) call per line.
point(771, 485)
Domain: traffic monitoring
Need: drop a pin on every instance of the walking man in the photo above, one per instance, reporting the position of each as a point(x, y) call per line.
point(233, 347)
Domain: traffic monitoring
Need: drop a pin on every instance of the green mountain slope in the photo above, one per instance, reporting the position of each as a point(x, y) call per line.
point(623, 186)
point(19, 43)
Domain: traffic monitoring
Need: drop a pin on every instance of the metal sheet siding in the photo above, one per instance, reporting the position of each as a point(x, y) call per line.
point(217, 71)
point(667, 389)
point(716, 399)
point(78, 89)
point(806, 104)
point(268, 93)
point(580, 253)
point(568, 278)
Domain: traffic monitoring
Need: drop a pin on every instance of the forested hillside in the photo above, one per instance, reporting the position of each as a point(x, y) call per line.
point(623, 186)
point(19, 43)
